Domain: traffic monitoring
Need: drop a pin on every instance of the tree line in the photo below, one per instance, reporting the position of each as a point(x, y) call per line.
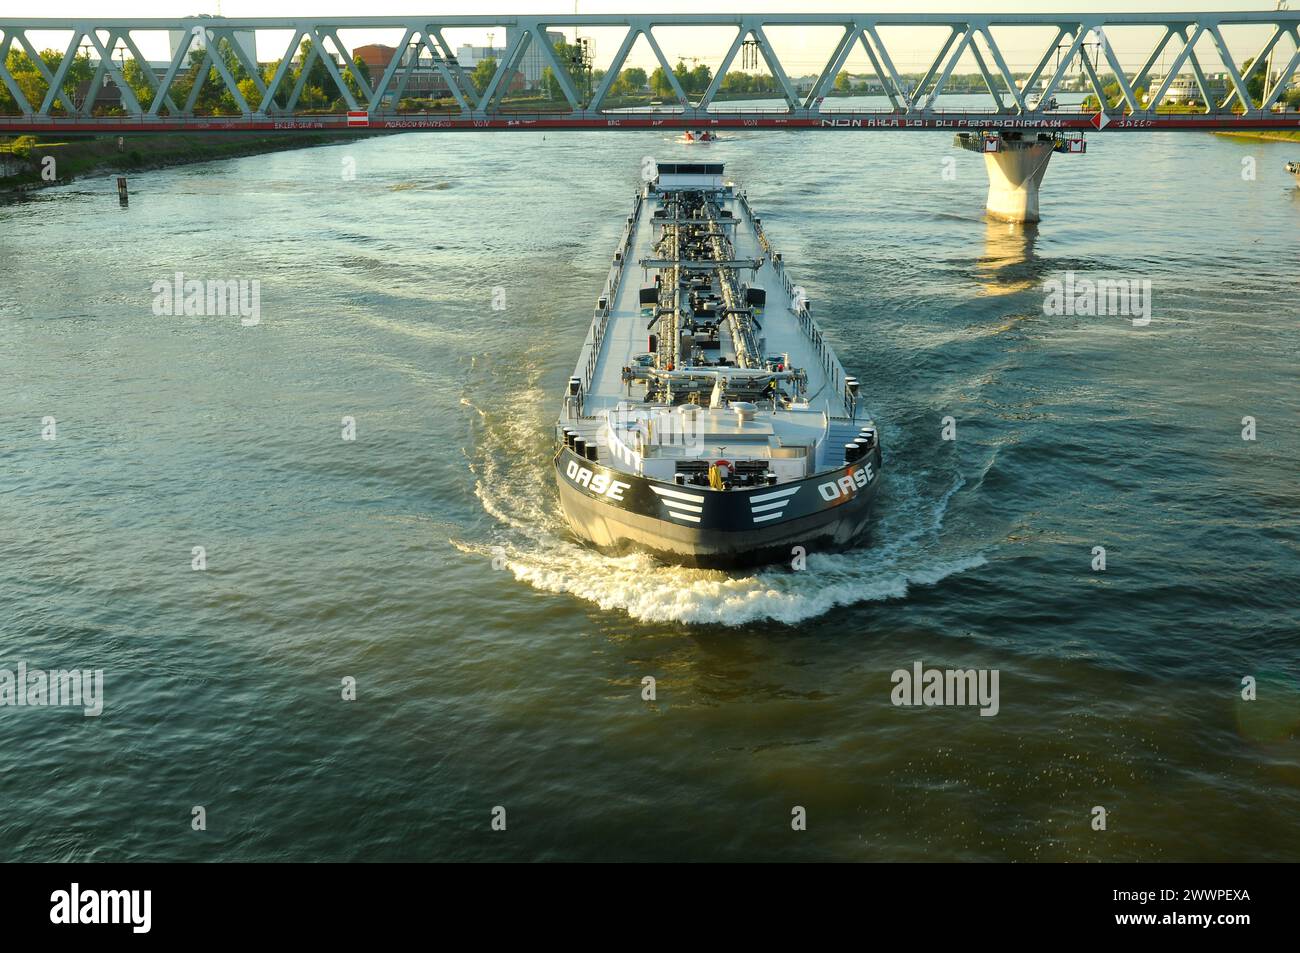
point(321, 92)
point(320, 89)
point(1255, 88)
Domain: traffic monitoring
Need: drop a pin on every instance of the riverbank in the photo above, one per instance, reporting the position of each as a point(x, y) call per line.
point(1275, 135)
point(77, 157)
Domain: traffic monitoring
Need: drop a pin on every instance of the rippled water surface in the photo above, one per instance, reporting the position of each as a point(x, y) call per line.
point(498, 662)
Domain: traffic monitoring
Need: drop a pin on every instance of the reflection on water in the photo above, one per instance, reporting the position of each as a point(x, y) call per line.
point(1008, 264)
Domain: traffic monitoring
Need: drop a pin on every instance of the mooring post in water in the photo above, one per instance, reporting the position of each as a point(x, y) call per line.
point(121, 190)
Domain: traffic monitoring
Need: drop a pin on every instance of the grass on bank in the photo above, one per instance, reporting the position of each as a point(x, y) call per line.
point(1268, 135)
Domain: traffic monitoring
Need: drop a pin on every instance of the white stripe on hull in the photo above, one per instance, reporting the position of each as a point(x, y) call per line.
point(678, 495)
point(764, 497)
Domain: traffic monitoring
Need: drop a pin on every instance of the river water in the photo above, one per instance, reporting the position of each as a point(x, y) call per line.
point(498, 663)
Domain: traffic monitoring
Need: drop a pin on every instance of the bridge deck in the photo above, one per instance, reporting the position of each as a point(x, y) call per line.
point(631, 122)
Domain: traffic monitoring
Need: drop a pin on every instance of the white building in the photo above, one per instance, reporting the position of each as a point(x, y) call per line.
point(470, 56)
point(532, 63)
point(1185, 90)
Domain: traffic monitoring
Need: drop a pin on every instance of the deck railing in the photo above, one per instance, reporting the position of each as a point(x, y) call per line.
point(799, 305)
point(605, 304)
point(757, 223)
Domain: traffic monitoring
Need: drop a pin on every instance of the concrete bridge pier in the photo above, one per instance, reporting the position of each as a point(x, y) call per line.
point(1015, 173)
point(1016, 167)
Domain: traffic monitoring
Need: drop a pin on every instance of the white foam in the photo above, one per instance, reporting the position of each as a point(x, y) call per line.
point(518, 490)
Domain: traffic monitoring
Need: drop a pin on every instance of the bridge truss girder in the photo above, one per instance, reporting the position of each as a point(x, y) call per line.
point(967, 34)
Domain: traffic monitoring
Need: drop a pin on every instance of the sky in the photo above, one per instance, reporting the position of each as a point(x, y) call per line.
point(254, 8)
point(261, 8)
point(801, 50)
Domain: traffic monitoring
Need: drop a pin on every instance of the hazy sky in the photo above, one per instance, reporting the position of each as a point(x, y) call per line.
point(255, 8)
point(801, 50)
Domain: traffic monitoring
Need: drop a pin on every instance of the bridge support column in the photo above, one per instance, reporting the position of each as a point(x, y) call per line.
point(1016, 168)
point(1016, 171)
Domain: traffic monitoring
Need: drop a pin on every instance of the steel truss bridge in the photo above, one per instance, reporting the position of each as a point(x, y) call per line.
point(1081, 43)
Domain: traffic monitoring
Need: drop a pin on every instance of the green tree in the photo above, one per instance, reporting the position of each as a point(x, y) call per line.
point(313, 97)
point(363, 70)
point(134, 74)
point(633, 79)
point(693, 80)
point(842, 82)
point(572, 59)
point(33, 85)
point(683, 76)
point(1254, 85)
point(213, 97)
point(252, 95)
point(737, 82)
point(79, 74)
point(352, 80)
point(1113, 97)
point(701, 77)
point(659, 84)
point(318, 74)
point(8, 105)
point(286, 85)
point(483, 74)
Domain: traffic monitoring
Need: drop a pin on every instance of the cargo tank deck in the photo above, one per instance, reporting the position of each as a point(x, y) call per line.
point(785, 329)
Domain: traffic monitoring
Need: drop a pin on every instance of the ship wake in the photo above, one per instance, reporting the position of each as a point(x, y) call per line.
point(532, 542)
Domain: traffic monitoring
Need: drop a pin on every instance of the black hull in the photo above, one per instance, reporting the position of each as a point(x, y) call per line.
point(619, 513)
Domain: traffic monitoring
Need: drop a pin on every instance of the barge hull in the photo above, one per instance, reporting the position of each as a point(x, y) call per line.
point(725, 536)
